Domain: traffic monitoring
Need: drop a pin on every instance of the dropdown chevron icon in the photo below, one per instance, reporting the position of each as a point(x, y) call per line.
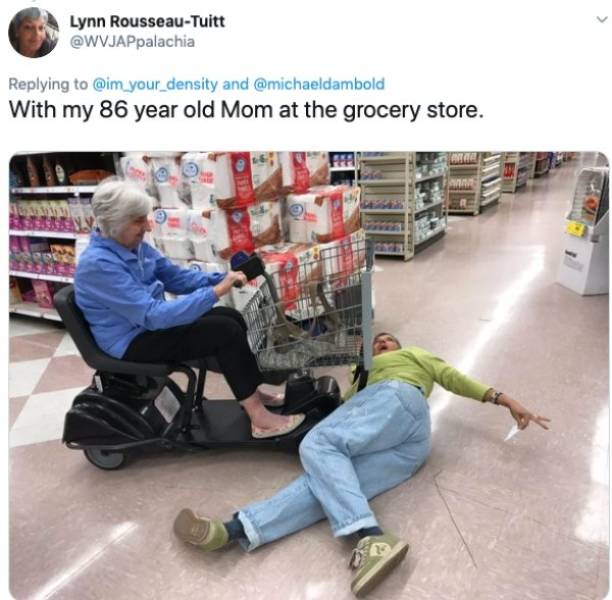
point(602, 19)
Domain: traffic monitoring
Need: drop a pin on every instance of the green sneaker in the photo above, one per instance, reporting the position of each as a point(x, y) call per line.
point(206, 534)
point(374, 558)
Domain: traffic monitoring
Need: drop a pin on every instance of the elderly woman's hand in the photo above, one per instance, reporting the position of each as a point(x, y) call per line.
point(232, 279)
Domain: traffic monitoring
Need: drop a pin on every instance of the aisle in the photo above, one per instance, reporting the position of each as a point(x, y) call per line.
point(485, 518)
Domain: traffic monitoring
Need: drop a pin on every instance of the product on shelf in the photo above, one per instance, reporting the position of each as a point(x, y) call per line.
point(324, 214)
point(49, 172)
point(44, 293)
point(64, 259)
point(166, 176)
point(244, 178)
point(198, 172)
point(172, 232)
point(14, 291)
point(303, 170)
point(89, 176)
point(136, 167)
point(32, 171)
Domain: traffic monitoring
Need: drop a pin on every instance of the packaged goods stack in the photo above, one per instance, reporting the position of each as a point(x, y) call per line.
point(214, 205)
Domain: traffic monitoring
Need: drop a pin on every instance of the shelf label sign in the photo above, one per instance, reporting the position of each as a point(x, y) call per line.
point(575, 228)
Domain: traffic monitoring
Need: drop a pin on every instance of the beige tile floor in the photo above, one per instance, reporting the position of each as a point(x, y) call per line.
point(485, 518)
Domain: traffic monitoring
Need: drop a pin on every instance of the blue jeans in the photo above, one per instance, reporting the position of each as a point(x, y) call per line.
point(370, 444)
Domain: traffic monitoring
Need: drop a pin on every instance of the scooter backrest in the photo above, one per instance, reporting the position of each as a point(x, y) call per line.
point(78, 328)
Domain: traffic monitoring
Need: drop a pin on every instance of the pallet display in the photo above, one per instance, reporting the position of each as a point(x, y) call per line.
point(403, 200)
point(474, 181)
point(516, 170)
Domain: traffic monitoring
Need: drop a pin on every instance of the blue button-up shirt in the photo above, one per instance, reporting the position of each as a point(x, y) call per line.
point(121, 292)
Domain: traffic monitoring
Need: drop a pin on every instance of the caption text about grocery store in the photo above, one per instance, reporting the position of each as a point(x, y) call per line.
point(228, 109)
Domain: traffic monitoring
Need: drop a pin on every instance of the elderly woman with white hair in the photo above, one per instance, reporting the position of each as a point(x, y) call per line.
point(119, 286)
point(29, 33)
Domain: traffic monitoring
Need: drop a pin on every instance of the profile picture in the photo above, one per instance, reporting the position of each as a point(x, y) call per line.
point(33, 32)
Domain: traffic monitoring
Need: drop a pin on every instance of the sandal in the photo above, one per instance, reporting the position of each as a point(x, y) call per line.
point(294, 422)
point(276, 401)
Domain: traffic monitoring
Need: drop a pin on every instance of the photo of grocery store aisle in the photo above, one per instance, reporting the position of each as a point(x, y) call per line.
point(485, 518)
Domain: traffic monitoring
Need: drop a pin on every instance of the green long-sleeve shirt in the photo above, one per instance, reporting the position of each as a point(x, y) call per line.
point(421, 368)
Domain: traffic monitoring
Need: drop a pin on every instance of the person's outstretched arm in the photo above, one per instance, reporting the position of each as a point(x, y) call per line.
point(521, 415)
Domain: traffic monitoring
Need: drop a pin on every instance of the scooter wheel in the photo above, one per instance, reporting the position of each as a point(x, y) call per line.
point(109, 460)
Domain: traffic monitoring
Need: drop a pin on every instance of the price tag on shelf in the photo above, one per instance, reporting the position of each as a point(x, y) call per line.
point(575, 228)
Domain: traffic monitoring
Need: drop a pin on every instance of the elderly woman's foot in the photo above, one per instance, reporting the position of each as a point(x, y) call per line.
point(285, 425)
point(271, 400)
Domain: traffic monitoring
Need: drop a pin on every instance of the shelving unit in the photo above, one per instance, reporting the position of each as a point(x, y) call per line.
point(343, 167)
point(403, 200)
point(31, 309)
point(474, 181)
point(516, 171)
point(542, 164)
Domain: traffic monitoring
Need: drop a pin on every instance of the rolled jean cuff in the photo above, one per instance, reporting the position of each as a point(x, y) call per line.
point(253, 539)
point(368, 521)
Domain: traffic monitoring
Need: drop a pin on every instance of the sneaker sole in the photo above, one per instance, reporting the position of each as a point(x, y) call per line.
point(380, 571)
point(189, 528)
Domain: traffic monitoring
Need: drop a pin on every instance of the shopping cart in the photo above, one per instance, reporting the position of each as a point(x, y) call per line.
point(314, 309)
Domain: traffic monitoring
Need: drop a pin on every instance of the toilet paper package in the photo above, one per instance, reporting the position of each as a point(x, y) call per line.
point(244, 178)
point(198, 172)
point(171, 222)
point(324, 214)
point(231, 232)
point(200, 229)
point(166, 176)
point(177, 248)
point(264, 222)
point(303, 170)
point(136, 167)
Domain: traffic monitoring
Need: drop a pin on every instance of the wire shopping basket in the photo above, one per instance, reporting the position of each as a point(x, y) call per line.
point(314, 309)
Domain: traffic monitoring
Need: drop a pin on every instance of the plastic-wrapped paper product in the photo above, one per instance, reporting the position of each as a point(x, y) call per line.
point(200, 234)
point(244, 178)
point(264, 222)
point(231, 232)
point(171, 233)
point(325, 214)
point(198, 171)
point(166, 175)
point(137, 168)
point(303, 170)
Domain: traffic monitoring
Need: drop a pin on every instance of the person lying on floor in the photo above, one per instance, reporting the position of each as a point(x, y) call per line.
point(374, 441)
point(120, 286)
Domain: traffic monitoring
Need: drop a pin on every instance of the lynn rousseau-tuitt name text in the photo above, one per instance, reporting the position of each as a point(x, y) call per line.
point(193, 21)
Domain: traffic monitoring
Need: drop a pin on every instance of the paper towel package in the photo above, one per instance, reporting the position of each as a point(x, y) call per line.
point(303, 170)
point(342, 257)
point(198, 171)
point(244, 178)
point(264, 222)
point(166, 175)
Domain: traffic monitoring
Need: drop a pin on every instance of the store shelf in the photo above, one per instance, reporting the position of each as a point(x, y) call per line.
point(381, 182)
point(485, 177)
point(62, 189)
point(379, 211)
point(428, 207)
point(431, 235)
point(32, 309)
point(391, 158)
point(43, 276)
point(402, 179)
point(429, 177)
point(64, 235)
point(341, 169)
point(373, 232)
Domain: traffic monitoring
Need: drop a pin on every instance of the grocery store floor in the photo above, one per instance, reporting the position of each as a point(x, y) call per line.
point(485, 518)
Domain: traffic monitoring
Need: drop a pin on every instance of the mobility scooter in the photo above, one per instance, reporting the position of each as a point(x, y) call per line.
point(136, 405)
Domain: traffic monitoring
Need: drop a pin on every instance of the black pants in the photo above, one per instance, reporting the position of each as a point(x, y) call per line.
point(221, 333)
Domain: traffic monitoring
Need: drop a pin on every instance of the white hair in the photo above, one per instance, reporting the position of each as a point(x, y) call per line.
point(116, 203)
point(32, 14)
